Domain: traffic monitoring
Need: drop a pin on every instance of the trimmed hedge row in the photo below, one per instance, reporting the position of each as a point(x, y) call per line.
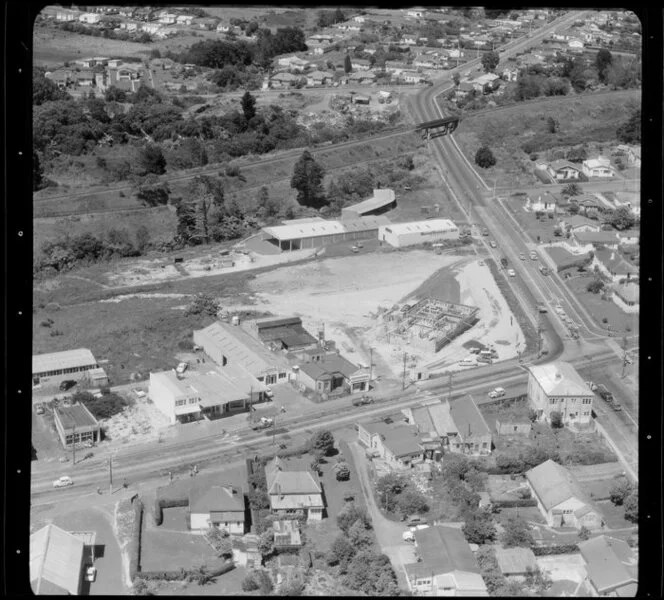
point(559, 549)
point(160, 504)
point(514, 503)
point(135, 544)
point(163, 575)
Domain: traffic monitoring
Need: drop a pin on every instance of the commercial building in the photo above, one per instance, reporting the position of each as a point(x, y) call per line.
point(557, 387)
point(398, 445)
point(76, 424)
point(229, 344)
point(218, 506)
point(294, 489)
point(282, 333)
point(191, 396)
point(448, 566)
point(612, 566)
point(560, 498)
point(383, 200)
point(55, 367)
point(315, 234)
point(56, 562)
point(400, 235)
point(333, 372)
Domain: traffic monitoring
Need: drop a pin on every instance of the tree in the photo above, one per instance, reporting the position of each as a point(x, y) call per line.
point(577, 155)
point(151, 160)
point(350, 514)
point(342, 471)
point(485, 158)
point(551, 125)
point(603, 61)
point(339, 16)
point(341, 552)
point(572, 189)
point(412, 502)
point(456, 78)
point(388, 487)
point(248, 106)
point(517, 534)
point(619, 492)
point(584, 533)
point(556, 418)
point(203, 304)
point(37, 172)
point(632, 507)
point(573, 208)
point(622, 218)
point(372, 573)
point(322, 443)
point(45, 90)
point(140, 588)
point(479, 527)
point(359, 536)
point(630, 132)
point(307, 179)
point(348, 66)
point(595, 286)
point(490, 61)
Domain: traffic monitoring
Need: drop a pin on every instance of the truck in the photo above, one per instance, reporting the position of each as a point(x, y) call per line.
point(607, 396)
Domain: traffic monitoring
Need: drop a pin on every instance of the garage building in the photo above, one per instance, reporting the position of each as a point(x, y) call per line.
point(55, 367)
point(418, 232)
point(307, 233)
point(76, 424)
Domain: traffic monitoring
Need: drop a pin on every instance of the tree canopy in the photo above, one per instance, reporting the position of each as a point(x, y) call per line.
point(307, 179)
point(490, 61)
point(630, 131)
point(484, 157)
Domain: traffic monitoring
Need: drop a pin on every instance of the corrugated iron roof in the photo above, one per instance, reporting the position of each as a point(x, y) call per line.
point(56, 557)
point(69, 359)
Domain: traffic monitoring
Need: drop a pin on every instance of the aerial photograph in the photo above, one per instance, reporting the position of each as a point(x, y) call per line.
point(336, 301)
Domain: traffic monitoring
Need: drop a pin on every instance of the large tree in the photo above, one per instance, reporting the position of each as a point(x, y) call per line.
point(484, 157)
point(248, 106)
point(37, 172)
point(479, 527)
point(603, 61)
point(517, 533)
point(45, 90)
point(151, 160)
point(630, 132)
point(322, 443)
point(622, 218)
point(490, 61)
point(348, 66)
point(307, 179)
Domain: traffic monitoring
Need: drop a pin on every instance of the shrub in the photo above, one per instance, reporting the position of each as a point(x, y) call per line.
point(620, 491)
point(595, 286)
point(157, 513)
point(514, 503)
point(632, 507)
point(556, 419)
point(135, 543)
point(249, 583)
point(558, 549)
point(484, 158)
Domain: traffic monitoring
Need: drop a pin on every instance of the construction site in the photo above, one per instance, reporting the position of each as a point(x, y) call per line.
point(429, 325)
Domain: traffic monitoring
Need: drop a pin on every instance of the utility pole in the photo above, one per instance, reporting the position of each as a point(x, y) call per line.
point(274, 427)
point(110, 474)
point(370, 366)
point(624, 361)
point(403, 381)
point(449, 386)
point(73, 446)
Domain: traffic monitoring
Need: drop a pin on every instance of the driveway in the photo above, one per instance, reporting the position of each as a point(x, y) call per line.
point(387, 532)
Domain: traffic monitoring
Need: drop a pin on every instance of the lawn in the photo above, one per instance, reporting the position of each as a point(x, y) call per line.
point(527, 513)
point(542, 228)
point(565, 259)
point(169, 551)
point(504, 411)
point(228, 584)
point(618, 320)
point(614, 515)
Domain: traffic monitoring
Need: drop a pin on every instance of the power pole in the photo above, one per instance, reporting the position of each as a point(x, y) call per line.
point(449, 386)
point(403, 381)
point(370, 366)
point(110, 474)
point(624, 361)
point(73, 446)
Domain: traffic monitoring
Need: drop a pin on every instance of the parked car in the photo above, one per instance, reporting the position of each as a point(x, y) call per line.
point(511, 272)
point(408, 536)
point(64, 481)
point(522, 256)
point(481, 263)
point(493, 244)
point(416, 520)
point(485, 231)
point(541, 307)
point(67, 384)
point(269, 394)
point(497, 393)
point(543, 270)
point(604, 393)
point(363, 400)
point(503, 262)
point(263, 423)
point(354, 248)
point(182, 367)
point(469, 361)
point(90, 573)
point(533, 255)
point(360, 245)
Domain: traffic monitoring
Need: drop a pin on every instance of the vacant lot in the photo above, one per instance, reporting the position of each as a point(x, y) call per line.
point(228, 584)
point(541, 228)
point(169, 550)
point(581, 118)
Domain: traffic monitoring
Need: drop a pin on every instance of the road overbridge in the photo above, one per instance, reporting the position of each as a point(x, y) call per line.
point(438, 127)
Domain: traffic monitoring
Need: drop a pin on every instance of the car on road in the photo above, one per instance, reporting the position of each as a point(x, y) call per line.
point(263, 423)
point(64, 481)
point(503, 262)
point(493, 244)
point(533, 255)
point(511, 272)
point(522, 256)
point(543, 270)
point(67, 384)
point(408, 536)
point(414, 520)
point(363, 401)
point(497, 393)
point(485, 231)
point(90, 573)
point(541, 307)
point(182, 367)
point(354, 248)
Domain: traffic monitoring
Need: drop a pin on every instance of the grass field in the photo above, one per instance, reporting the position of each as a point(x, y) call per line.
point(582, 119)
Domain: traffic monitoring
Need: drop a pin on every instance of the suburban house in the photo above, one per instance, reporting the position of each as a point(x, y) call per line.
point(544, 203)
point(56, 562)
point(510, 73)
point(395, 66)
point(626, 296)
point(561, 170)
point(334, 372)
point(412, 77)
point(447, 567)
point(603, 238)
point(151, 28)
point(190, 396)
point(557, 387)
point(515, 561)
point(399, 445)
point(50, 370)
point(360, 64)
point(362, 77)
point(580, 224)
point(229, 344)
point(382, 201)
point(319, 78)
point(283, 79)
point(90, 18)
point(597, 167)
point(560, 499)
point(223, 28)
point(614, 266)
point(486, 83)
point(463, 89)
point(294, 489)
point(612, 566)
point(184, 19)
point(219, 506)
point(575, 44)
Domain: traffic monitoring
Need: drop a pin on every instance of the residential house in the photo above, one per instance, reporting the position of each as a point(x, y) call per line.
point(318, 50)
point(614, 266)
point(360, 64)
point(167, 18)
point(626, 296)
point(283, 80)
point(399, 445)
point(56, 562)
point(166, 32)
point(561, 170)
point(218, 506)
point(332, 373)
point(223, 28)
point(358, 19)
point(63, 14)
point(408, 40)
point(151, 28)
point(184, 19)
point(61, 77)
point(598, 167)
point(474, 435)
point(629, 237)
point(515, 561)
point(294, 489)
point(395, 66)
point(510, 73)
point(129, 25)
point(318, 78)
point(416, 14)
point(228, 344)
point(575, 44)
point(546, 203)
point(447, 567)
point(609, 239)
point(560, 498)
point(557, 387)
point(207, 23)
point(463, 89)
point(90, 18)
point(579, 223)
point(486, 83)
point(412, 77)
point(612, 566)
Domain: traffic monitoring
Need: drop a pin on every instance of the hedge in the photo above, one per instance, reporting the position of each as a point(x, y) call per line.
point(158, 513)
point(135, 544)
point(162, 503)
point(514, 503)
point(163, 575)
point(559, 549)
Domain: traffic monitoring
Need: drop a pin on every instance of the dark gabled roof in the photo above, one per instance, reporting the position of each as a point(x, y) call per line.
point(332, 363)
point(445, 549)
point(468, 418)
point(216, 499)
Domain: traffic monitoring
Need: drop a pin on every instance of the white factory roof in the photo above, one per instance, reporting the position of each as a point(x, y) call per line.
point(379, 199)
point(560, 379)
point(69, 359)
point(429, 226)
point(55, 561)
point(304, 230)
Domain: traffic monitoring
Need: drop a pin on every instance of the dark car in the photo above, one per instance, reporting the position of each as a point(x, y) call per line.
point(67, 384)
point(363, 400)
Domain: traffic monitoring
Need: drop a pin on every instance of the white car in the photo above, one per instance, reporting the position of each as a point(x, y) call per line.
point(64, 481)
point(497, 393)
point(511, 272)
point(408, 536)
point(91, 573)
point(182, 367)
point(493, 244)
